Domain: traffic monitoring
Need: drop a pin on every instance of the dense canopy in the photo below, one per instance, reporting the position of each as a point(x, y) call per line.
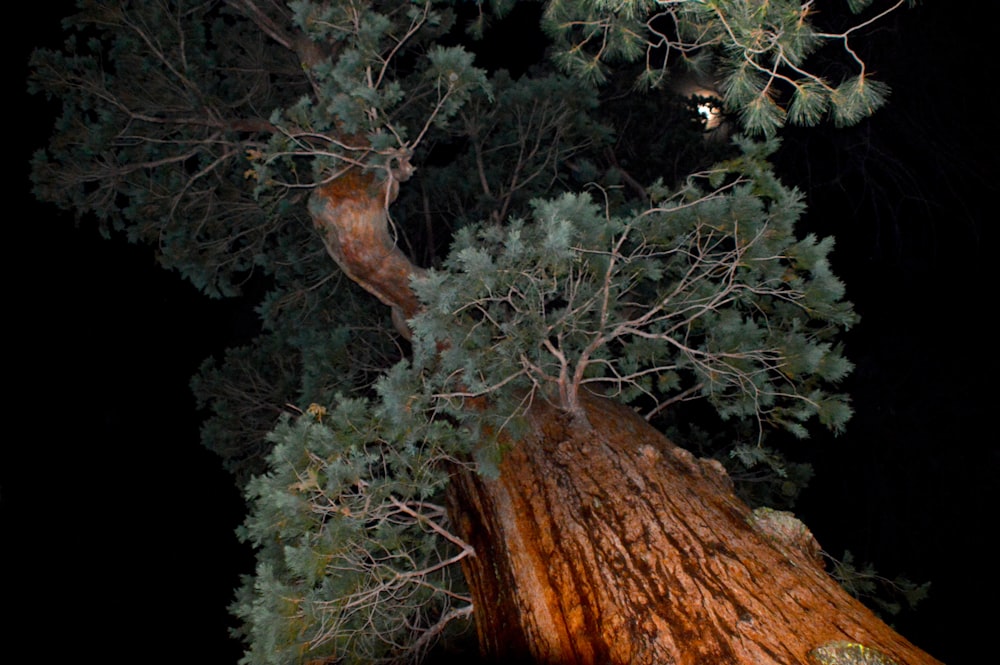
point(439, 243)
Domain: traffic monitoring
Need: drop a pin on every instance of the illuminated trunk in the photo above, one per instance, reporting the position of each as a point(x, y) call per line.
point(603, 543)
point(608, 544)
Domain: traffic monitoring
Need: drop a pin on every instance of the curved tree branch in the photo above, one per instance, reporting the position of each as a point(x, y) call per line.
point(351, 213)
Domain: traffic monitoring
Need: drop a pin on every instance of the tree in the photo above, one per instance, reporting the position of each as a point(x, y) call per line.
point(527, 271)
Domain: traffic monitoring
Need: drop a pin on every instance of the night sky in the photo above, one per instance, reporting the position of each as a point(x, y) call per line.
point(117, 527)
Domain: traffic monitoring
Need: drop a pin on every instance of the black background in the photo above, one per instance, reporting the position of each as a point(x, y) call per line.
point(117, 531)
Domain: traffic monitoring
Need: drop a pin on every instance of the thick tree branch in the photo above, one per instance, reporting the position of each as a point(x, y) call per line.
point(351, 213)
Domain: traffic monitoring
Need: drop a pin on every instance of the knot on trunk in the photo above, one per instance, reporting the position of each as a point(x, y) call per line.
point(788, 531)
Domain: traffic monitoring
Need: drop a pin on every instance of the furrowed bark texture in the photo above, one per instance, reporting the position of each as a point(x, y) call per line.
point(609, 544)
point(601, 542)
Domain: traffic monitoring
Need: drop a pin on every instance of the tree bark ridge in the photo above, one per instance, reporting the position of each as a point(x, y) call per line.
point(601, 542)
point(608, 544)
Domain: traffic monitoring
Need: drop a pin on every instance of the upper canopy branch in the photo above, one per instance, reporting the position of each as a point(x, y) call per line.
point(351, 213)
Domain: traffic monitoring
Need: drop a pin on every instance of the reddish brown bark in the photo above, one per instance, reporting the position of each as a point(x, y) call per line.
point(604, 543)
point(609, 544)
point(351, 213)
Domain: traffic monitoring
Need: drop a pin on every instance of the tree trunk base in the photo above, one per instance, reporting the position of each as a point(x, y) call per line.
point(607, 544)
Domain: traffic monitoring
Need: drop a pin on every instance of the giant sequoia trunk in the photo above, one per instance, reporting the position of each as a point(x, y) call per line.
point(603, 543)
point(609, 544)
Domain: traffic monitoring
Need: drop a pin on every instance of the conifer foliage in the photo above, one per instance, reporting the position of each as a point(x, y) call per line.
point(705, 293)
point(543, 268)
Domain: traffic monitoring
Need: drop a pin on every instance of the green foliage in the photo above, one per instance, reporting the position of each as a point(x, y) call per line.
point(537, 135)
point(885, 595)
point(235, 103)
point(763, 476)
point(351, 558)
point(163, 161)
point(245, 395)
point(208, 159)
point(857, 98)
point(760, 49)
point(316, 342)
point(707, 292)
point(858, 6)
point(582, 256)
